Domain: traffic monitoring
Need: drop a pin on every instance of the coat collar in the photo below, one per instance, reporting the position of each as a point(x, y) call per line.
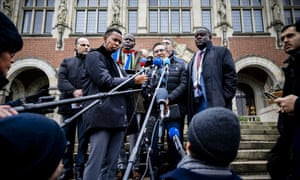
point(3, 80)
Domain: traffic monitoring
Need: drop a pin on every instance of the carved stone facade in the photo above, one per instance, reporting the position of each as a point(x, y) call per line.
point(253, 52)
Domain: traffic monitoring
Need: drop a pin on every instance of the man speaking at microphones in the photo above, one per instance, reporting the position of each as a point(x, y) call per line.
point(176, 83)
point(105, 123)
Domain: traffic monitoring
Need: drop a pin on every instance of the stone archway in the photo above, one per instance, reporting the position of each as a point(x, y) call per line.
point(274, 71)
point(261, 75)
point(25, 64)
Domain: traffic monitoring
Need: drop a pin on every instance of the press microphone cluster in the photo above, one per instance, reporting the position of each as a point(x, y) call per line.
point(174, 135)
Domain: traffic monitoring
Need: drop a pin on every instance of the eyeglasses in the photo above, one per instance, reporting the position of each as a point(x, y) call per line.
point(159, 50)
point(83, 45)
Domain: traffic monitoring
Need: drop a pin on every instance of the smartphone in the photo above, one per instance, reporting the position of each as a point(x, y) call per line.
point(269, 95)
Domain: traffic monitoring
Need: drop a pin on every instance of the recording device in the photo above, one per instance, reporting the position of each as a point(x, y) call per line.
point(269, 95)
point(167, 62)
point(143, 62)
point(174, 135)
point(153, 77)
point(161, 101)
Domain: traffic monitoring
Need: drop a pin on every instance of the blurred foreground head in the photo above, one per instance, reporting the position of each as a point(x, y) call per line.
point(10, 43)
point(214, 136)
point(32, 147)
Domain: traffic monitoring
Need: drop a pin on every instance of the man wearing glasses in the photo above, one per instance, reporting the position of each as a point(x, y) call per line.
point(70, 87)
point(176, 86)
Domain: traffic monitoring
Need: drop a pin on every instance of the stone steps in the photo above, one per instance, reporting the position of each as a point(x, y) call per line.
point(257, 139)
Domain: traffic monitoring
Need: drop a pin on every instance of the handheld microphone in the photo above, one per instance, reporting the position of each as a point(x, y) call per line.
point(174, 135)
point(143, 62)
point(157, 62)
point(167, 62)
point(161, 99)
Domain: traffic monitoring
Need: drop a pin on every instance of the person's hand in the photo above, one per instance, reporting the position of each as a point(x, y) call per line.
point(77, 93)
point(286, 103)
point(140, 79)
point(6, 110)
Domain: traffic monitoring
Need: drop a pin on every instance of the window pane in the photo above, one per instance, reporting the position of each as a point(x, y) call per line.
point(81, 2)
point(287, 17)
point(153, 2)
point(26, 22)
point(91, 22)
point(258, 21)
point(103, 3)
point(235, 2)
point(185, 3)
point(92, 2)
point(174, 3)
point(296, 2)
point(164, 21)
point(163, 3)
point(186, 21)
point(80, 21)
point(38, 19)
point(236, 21)
point(50, 3)
point(247, 21)
point(205, 3)
point(132, 21)
point(297, 15)
point(40, 3)
point(29, 3)
point(286, 2)
point(102, 18)
point(132, 3)
point(175, 22)
point(256, 2)
point(48, 23)
point(246, 2)
point(153, 21)
point(206, 19)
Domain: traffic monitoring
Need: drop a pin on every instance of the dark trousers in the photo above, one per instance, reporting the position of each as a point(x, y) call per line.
point(68, 158)
point(284, 160)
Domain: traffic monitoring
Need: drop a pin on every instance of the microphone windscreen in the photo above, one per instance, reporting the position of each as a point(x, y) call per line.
point(167, 61)
point(173, 131)
point(143, 62)
point(157, 62)
point(162, 95)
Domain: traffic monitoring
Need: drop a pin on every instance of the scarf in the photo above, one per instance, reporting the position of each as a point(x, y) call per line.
point(125, 58)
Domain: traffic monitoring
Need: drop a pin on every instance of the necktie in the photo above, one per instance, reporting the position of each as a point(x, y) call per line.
point(199, 60)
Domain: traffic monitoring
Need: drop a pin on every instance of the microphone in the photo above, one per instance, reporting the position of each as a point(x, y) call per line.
point(157, 62)
point(174, 135)
point(167, 62)
point(161, 99)
point(143, 62)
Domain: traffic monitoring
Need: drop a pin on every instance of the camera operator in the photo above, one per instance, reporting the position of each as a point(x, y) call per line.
point(176, 85)
point(10, 43)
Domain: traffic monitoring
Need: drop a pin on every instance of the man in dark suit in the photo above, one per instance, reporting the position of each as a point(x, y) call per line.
point(212, 79)
point(70, 86)
point(105, 123)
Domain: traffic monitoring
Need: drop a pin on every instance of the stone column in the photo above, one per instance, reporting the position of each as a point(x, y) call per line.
point(142, 14)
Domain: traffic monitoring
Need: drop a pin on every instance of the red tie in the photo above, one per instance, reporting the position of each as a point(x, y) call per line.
point(199, 60)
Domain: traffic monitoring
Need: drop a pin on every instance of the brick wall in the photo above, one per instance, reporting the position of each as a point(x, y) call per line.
point(44, 47)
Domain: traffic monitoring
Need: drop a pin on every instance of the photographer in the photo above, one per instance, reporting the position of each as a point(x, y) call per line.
point(10, 43)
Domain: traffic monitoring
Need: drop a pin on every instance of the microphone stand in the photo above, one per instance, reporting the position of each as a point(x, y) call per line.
point(69, 120)
point(132, 156)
